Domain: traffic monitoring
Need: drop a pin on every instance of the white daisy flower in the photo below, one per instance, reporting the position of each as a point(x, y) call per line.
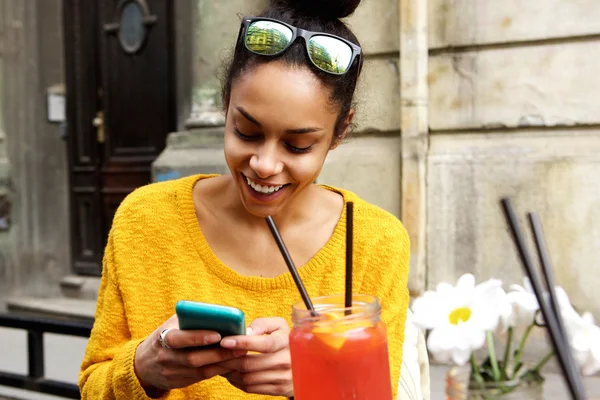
point(458, 317)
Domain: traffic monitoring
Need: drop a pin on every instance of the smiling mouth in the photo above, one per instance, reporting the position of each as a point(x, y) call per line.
point(263, 189)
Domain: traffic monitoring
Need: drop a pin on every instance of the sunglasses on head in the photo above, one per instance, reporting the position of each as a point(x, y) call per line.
point(270, 37)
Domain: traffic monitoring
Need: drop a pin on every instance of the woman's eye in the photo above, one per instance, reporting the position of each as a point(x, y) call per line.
point(243, 136)
point(251, 138)
point(298, 150)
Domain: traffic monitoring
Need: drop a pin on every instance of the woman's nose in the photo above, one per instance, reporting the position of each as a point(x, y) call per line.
point(265, 162)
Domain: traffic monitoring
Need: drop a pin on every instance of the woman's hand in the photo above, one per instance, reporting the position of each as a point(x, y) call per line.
point(267, 371)
point(182, 364)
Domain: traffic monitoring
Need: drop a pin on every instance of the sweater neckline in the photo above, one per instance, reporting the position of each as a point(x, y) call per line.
point(332, 248)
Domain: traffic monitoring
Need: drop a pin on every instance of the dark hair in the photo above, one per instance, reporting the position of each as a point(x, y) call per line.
point(313, 15)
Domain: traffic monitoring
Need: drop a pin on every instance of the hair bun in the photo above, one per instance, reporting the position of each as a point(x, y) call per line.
point(329, 9)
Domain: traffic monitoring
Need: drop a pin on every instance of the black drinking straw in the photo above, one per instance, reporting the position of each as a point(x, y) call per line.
point(349, 237)
point(561, 348)
point(290, 265)
point(544, 256)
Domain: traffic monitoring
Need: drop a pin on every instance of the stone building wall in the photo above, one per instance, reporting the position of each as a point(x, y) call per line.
point(5, 201)
point(513, 107)
point(34, 253)
point(370, 164)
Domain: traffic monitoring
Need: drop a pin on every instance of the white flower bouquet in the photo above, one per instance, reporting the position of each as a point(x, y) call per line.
point(468, 317)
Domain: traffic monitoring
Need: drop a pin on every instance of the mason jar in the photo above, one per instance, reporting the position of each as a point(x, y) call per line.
point(460, 387)
point(341, 353)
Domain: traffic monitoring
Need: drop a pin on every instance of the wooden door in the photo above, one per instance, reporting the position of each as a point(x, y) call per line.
point(120, 108)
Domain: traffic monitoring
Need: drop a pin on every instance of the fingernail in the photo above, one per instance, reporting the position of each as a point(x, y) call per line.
point(228, 343)
point(212, 338)
point(249, 331)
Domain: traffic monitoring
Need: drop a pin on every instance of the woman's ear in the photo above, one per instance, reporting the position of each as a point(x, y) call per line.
point(345, 130)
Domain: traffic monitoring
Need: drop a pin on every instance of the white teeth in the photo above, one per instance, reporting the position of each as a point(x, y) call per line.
point(263, 189)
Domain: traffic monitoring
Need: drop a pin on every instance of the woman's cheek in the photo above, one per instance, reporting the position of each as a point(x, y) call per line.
point(306, 167)
point(234, 150)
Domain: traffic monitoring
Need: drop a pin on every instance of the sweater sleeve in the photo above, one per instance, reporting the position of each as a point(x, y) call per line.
point(107, 371)
point(387, 278)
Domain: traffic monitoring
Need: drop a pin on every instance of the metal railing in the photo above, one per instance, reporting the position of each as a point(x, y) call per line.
point(36, 327)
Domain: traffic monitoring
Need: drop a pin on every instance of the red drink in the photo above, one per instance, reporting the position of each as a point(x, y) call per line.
point(340, 357)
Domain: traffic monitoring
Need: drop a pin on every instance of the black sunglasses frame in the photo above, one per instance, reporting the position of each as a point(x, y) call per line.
point(296, 33)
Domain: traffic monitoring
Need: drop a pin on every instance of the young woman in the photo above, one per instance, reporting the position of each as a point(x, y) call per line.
point(288, 101)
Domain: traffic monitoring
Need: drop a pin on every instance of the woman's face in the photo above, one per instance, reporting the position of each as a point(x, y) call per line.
point(278, 132)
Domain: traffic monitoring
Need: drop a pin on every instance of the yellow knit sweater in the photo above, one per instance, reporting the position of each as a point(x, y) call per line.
point(157, 255)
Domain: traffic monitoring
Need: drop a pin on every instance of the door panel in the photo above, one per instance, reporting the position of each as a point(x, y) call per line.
point(138, 89)
point(120, 109)
point(83, 153)
point(138, 100)
point(85, 207)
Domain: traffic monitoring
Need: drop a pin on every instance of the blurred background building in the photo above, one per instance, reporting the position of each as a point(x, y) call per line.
point(461, 102)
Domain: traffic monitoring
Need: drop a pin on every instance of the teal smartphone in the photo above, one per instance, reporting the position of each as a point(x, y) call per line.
point(227, 321)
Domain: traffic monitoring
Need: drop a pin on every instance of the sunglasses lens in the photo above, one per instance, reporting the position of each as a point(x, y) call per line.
point(268, 37)
point(330, 54)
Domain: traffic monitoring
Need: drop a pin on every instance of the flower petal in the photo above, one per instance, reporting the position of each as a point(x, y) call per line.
point(444, 288)
point(466, 281)
point(438, 344)
point(517, 288)
point(588, 318)
point(461, 356)
point(486, 314)
point(523, 300)
point(527, 285)
point(591, 367)
point(564, 304)
point(476, 338)
point(427, 310)
point(507, 317)
point(595, 350)
point(490, 284)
